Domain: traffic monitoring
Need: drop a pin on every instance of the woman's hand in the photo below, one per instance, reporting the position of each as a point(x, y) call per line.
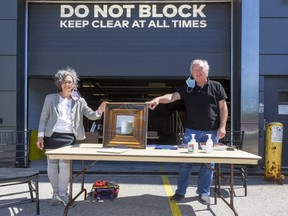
point(40, 143)
point(102, 107)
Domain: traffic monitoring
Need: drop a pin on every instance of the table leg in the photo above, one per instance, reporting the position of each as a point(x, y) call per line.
point(83, 180)
point(70, 189)
point(217, 183)
point(218, 188)
point(232, 189)
point(71, 198)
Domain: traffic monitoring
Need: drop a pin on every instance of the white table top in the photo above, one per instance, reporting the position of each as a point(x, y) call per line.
point(92, 152)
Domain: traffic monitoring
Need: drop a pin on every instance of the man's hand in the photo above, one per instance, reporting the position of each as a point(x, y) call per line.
point(153, 104)
point(221, 132)
point(168, 98)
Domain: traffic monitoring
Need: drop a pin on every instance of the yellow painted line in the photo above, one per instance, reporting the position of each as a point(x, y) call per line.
point(169, 192)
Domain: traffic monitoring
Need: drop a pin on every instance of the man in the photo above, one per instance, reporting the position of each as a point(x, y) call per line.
point(207, 113)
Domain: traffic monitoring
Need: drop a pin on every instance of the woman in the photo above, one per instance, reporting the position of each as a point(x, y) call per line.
point(61, 124)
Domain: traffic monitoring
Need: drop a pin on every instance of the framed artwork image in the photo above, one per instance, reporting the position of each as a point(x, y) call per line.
point(125, 125)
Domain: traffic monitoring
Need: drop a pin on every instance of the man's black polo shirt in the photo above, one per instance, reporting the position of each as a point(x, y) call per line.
point(201, 104)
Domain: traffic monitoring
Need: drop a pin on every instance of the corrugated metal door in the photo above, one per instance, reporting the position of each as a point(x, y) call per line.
point(109, 39)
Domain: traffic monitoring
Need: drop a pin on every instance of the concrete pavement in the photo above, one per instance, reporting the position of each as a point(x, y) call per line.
point(147, 195)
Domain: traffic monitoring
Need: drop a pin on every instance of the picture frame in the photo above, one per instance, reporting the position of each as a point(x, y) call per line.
point(125, 125)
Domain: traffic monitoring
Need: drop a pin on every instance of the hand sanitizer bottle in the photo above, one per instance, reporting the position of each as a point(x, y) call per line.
point(209, 144)
point(193, 145)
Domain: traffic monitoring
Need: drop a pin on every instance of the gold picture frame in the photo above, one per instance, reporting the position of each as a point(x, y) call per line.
point(125, 125)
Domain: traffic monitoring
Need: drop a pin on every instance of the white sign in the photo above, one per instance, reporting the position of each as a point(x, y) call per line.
point(133, 16)
point(277, 134)
point(283, 109)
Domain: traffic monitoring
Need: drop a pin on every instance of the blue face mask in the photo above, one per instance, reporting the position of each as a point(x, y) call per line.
point(190, 82)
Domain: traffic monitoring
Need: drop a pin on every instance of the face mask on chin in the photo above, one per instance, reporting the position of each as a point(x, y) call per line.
point(190, 82)
point(75, 94)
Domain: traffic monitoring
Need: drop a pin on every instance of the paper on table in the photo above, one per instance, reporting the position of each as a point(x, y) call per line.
point(113, 150)
point(219, 147)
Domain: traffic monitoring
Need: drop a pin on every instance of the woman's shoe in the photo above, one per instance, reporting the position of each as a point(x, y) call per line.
point(54, 200)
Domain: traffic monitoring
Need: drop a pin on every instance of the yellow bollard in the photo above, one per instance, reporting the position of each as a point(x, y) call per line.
point(35, 153)
point(273, 159)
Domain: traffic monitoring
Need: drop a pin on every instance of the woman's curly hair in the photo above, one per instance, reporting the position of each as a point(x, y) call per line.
point(61, 74)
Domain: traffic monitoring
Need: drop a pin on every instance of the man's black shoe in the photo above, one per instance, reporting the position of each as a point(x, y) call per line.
point(204, 199)
point(176, 198)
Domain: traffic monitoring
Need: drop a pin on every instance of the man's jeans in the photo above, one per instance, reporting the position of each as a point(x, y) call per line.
point(205, 176)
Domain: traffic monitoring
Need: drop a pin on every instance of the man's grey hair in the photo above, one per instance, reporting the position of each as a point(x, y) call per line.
point(61, 74)
point(201, 62)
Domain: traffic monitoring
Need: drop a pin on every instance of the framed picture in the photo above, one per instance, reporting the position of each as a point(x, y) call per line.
point(125, 124)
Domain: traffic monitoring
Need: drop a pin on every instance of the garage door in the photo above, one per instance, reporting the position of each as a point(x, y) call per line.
point(134, 39)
